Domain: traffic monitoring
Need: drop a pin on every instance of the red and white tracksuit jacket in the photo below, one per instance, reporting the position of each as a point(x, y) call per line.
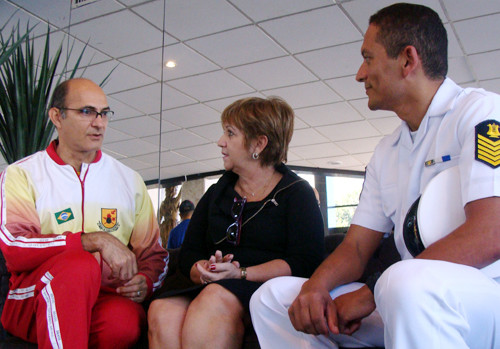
point(46, 205)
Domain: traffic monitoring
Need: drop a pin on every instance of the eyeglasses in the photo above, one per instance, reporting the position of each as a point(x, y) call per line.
point(91, 114)
point(233, 232)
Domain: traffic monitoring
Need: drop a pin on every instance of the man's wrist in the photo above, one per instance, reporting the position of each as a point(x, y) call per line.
point(243, 273)
point(88, 242)
point(93, 241)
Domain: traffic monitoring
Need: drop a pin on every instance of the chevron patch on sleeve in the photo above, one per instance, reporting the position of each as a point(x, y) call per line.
point(488, 143)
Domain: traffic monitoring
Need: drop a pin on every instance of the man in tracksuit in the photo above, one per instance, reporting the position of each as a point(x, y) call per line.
point(79, 234)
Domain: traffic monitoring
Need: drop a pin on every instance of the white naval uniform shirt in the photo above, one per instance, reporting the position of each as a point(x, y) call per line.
point(397, 175)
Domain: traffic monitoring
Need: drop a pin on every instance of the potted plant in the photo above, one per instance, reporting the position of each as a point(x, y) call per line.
point(7, 49)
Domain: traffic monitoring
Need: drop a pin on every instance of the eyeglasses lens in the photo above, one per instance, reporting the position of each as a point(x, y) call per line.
point(233, 232)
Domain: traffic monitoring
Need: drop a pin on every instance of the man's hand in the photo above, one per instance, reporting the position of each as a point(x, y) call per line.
point(352, 308)
point(136, 289)
point(120, 259)
point(313, 311)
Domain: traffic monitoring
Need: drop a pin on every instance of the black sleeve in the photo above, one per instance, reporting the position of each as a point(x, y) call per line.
point(305, 235)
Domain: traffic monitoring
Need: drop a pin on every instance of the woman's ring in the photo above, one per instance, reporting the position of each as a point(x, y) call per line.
point(138, 293)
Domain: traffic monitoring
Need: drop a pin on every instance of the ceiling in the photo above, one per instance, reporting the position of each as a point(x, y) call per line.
point(306, 51)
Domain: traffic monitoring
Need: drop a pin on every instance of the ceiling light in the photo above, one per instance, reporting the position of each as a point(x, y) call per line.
point(335, 162)
point(170, 64)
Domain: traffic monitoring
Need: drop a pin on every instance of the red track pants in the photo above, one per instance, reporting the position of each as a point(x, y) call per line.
point(62, 303)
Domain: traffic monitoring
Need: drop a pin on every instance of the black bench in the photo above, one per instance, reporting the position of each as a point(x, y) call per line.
point(384, 256)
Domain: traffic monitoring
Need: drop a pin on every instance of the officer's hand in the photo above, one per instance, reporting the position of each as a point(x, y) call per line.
point(313, 311)
point(352, 308)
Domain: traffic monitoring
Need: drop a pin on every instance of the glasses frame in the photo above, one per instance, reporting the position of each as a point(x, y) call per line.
point(233, 232)
point(104, 114)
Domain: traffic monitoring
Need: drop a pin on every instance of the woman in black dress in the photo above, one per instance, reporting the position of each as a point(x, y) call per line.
point(259, 221)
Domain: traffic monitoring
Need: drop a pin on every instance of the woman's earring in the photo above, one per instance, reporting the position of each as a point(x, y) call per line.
point(255, 156)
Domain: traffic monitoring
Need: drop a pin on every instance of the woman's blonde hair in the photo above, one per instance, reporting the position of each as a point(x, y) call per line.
point(271, 117)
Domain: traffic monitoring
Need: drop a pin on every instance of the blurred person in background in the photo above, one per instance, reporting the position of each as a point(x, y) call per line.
point(176, 236)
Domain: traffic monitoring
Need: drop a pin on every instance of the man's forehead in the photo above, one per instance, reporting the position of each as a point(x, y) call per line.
point(370, 42)
point(86, 93)
point(371, 33)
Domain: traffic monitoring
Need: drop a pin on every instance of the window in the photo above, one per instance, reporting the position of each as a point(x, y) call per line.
point(308, 177)
point(210, 181)
point(342, 194)
point(157, 196)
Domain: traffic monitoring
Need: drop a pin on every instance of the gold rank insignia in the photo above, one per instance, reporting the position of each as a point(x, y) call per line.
point(488, 143)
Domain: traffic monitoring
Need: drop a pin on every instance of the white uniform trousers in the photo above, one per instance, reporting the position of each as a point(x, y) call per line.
point(269, 309)
point(435, 304)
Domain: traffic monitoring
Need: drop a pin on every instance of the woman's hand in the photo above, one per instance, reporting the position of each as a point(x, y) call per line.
point(218, 268)
point(217, 258)
point(206, 270)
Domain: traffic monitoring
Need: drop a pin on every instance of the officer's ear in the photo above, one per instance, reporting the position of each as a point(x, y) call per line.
point(410, 60)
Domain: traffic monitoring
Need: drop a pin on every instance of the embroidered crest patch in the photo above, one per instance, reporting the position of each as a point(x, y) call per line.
point(64, 216)
point(108, 221)
point(488, 143)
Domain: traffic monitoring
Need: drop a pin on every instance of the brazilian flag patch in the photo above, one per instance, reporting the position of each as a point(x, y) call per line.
point(64, 216)
point(488, 143)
